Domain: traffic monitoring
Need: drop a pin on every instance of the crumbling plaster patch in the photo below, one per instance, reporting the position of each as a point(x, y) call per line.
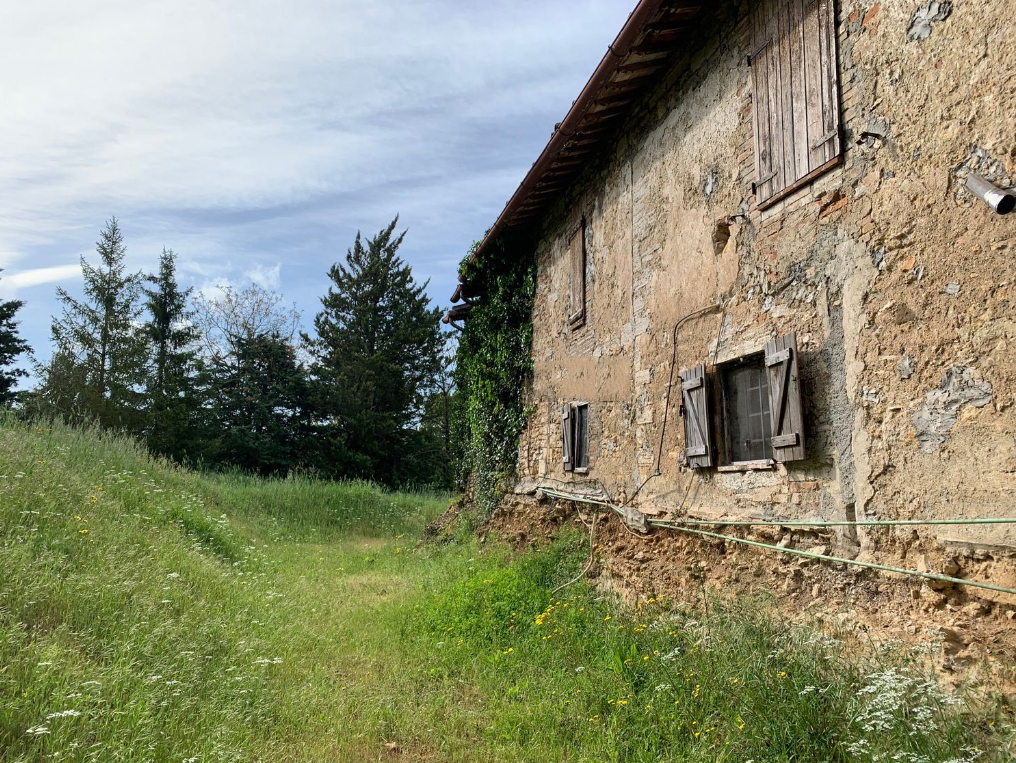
point(961, 385)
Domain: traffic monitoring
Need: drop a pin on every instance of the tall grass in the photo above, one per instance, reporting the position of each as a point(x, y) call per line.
point(304, 508)
point(150, 613)
point(707, 681)
point(138, 618)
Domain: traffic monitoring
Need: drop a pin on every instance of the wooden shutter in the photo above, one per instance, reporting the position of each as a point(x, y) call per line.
point(768, 117)
point(577, 278)
point(785, 399)
point(795, 93)
point(567, 437)
point(698, 441)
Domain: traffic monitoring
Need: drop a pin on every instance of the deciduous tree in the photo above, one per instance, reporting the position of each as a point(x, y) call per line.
point(234, 315)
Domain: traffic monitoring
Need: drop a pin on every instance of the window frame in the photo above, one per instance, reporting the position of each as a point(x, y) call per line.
point(722, 371)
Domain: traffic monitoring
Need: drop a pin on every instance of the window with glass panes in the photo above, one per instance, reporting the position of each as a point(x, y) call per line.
point(747, 420)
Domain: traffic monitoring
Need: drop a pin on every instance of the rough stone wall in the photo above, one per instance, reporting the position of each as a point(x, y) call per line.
point(896, 281)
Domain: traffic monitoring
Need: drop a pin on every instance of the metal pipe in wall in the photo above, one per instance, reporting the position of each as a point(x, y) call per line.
point(999, 199)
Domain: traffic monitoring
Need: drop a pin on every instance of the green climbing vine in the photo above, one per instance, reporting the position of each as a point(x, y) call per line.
point(494, 367)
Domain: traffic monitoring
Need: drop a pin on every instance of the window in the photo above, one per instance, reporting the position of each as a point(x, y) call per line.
point(748, 429)
point(795, 91)
point(577, 276)
point(760, 417)
point(575, 435)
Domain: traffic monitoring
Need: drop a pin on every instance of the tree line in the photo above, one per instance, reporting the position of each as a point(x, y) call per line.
point(229, 380)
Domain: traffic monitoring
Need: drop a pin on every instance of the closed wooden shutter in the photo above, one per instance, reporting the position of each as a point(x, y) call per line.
point(785, 399)
point(795, 91)
point(577, 278)
point(698, 440)
point(567, 437)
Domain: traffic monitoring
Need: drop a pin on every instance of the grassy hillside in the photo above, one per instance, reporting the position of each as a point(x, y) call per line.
point(149, 613)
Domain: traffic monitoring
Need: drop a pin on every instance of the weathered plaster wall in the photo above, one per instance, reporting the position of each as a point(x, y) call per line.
point(898, 285)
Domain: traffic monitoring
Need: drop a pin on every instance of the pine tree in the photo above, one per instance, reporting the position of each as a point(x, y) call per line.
point(376, 355)
point(11, 345)
point(259, 405)
point(172, 398)
point(102, 335)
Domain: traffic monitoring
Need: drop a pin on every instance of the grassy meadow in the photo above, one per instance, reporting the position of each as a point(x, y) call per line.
point(150, 613)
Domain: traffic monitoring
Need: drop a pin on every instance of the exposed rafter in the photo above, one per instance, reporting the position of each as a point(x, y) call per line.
point(655, 30)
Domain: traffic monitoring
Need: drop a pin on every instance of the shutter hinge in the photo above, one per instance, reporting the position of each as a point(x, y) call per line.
point(778, 357)
point(824, 139)
point(753, 56)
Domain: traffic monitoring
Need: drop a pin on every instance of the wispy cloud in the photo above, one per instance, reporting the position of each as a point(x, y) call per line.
point(59, 274)
point(255, 137)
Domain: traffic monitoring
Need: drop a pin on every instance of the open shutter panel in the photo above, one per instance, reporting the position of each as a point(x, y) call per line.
point(698, 442)
point(795, 92)
point(821, 82)
point(785, 399)
point(566, 437)
point(577, 254)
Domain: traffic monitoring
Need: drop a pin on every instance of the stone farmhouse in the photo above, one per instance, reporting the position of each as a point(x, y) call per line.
point(776, 278)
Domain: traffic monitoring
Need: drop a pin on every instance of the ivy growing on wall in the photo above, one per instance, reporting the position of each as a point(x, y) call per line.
point(494, 367)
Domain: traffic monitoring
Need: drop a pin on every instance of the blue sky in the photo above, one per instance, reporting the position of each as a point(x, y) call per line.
point(255, 137)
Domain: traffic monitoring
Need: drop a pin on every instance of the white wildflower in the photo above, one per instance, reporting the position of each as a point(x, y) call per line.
point(37, 731)
point(64, 714)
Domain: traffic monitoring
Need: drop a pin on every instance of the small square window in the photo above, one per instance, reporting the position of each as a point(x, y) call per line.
point(748, 428)
point(751, 405)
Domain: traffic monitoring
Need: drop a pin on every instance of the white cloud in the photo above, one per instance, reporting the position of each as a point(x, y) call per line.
point(259, 131)
point(212, 290)
point(266, 278)
point(11, 283)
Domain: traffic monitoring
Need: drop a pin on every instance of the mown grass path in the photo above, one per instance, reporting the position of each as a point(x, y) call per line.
point(149, 613)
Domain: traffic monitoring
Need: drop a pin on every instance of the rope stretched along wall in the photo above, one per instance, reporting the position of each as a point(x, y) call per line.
point(836, 559)
point(795, 523)
point(677, 525)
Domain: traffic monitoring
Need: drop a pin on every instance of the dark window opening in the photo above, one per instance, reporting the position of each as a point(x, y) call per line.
point(751, 407)
point(575, 434)
point(577, 277)
point(747, 418)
